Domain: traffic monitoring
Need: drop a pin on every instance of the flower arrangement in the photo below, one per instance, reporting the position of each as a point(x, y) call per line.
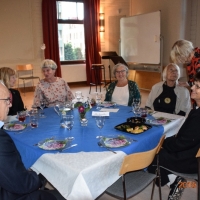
point(82, 108)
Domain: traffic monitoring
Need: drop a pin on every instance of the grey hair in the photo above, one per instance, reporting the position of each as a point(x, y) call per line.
point(164, 74)
point(118, 65)
point(49, 63)
point(181, 51)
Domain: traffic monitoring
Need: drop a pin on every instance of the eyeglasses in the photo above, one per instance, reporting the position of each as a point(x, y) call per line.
point(118, 72)
point(8, 100)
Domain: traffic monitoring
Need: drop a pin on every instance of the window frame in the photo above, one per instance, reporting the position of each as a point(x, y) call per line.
point(71, 21)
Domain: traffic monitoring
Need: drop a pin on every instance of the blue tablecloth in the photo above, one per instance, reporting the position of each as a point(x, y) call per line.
point(85, 137)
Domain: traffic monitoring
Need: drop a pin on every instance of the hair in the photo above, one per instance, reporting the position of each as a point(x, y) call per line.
point(5, 74)
point(49, 63)
point(164, 74)
point(118, 65)
point(181, 51)
point(197, 76)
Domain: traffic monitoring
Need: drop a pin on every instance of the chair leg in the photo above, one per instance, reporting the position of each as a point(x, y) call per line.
point(152, 192)
point(124, 186)
point(24, 87)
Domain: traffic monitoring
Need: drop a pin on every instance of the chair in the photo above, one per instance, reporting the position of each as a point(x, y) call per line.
point(96, 70)
point(134, 179)
point(28, 69)
point(195, 177)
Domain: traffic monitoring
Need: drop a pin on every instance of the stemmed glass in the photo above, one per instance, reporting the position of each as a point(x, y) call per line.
point(136, 106)
point(69, 122)
point(42, 106)
point(100, 121)
point(98, 99)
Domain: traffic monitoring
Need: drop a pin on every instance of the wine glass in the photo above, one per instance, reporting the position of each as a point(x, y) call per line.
point(78, 95)
point(42, 106)
point(100, 121)
point(98, 99)
point(69, 122)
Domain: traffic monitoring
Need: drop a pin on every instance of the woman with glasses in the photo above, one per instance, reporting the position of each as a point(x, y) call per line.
point(8, 76)
point(122, 91)
point(183, 52)
point(167, 96)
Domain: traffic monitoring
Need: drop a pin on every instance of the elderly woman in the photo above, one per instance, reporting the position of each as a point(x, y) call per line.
point(8, 76)
point(179, 153)
point(184, 52)
point(168, 96)
point(52, 89)
point(122, 91)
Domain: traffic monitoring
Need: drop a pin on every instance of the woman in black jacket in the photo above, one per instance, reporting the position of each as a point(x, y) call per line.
point(8, 76)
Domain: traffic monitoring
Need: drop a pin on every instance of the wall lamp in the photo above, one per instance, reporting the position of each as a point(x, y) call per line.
point(101, 22)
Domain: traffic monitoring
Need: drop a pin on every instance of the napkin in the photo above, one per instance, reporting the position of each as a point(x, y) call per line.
point(109, 109)
point(94, 113)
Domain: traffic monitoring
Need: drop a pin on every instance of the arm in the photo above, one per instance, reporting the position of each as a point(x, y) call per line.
point(37, 94)
point(13, 175)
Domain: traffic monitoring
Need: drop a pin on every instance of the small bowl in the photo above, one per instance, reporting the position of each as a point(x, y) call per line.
point(136, 120)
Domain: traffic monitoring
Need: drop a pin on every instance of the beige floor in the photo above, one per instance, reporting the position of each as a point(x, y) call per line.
point(189, 193)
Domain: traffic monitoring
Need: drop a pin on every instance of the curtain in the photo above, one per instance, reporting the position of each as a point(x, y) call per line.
point(92, 36)
point(50, 32)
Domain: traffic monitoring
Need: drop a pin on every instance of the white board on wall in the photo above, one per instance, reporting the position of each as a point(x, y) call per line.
point(140, 38)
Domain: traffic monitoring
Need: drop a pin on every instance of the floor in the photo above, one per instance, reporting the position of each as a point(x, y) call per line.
point(189, 193)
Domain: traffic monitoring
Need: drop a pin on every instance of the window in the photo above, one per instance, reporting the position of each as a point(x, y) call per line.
point(70, 25)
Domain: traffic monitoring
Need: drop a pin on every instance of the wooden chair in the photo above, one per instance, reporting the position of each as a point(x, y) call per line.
point(134, 179)
point(26, 69)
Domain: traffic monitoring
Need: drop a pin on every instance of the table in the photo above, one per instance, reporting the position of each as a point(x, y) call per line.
point(85, 171)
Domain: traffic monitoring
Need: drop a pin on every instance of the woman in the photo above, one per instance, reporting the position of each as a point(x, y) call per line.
point(123, 90)
point(179, 153)
point(8, 76)
point(52, 89)
point(168, 96)
point(184, 52)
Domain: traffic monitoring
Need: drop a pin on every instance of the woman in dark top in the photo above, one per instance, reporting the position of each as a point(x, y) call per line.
point(168, 96)
point(178, 152)
point(8, 76)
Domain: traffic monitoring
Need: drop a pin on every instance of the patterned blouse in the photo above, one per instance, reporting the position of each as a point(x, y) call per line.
point(53, 93)
point(133, 91)
point(194, 66)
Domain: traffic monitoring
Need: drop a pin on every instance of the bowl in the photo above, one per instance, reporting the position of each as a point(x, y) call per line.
point(136, 120)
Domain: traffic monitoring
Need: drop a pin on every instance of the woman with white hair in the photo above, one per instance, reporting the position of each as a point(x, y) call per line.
point(52, 89)
point(122, 91)
point(167, 96)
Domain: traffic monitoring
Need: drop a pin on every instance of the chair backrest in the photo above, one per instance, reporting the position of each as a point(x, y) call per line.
point(24, 67)
point(140, 160)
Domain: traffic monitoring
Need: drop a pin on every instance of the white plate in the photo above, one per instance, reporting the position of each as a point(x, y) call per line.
point(115, 141)
point(160, 121)
point(14, 126)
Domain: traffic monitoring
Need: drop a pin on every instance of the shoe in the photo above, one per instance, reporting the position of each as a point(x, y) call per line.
point(176, 191)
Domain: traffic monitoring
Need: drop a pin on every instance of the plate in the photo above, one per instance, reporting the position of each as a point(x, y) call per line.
point(133, 128)
point(14, 126)
point(107, 104)
point(53, 144)
point(160, 121)
point(115, 141)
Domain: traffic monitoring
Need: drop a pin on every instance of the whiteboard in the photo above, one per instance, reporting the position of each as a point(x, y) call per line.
point(140, 38)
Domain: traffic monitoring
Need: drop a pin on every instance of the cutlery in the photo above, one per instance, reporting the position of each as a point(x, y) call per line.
point(73, 145)
point(57, 112)
point(99, 143)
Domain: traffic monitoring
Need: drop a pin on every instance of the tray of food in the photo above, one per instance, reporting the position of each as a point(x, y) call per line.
point(133, 128)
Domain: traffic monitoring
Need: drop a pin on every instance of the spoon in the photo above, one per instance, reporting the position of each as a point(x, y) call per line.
point(101, 145)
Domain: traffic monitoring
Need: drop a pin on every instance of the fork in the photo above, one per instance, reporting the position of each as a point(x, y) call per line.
point(99, 143)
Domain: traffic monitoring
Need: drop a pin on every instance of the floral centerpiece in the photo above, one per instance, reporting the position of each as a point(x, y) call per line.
point(82, 108)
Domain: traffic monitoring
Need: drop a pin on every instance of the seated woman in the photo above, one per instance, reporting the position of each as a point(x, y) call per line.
point(179, 153)
point(123, 90)
point(8, 76)
point(52, 89)
point(168, 96)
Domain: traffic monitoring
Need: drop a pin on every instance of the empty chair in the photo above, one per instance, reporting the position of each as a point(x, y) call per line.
point(21, 69)
point(134, 179)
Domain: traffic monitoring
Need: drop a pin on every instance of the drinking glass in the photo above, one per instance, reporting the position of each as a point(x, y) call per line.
point(100, 121)
point(69, 122)
point(98, 99)
point(21, 116)
point(78, 95)
point(136, 106)
point(33, 121)
point(144, 112)
point(42, 106)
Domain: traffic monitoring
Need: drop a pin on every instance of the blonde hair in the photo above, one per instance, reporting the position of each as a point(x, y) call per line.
point(5, 74)
point(49, 63)
point(181, 51)
point(164, 74)
point(119, 65)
